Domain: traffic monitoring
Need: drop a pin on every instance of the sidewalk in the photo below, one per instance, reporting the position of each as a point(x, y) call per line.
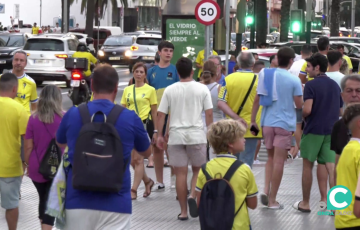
point(160, 210)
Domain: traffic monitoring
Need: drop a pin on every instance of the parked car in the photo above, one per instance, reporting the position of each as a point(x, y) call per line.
point(296, 46)
point(116, 50)
point(80, 36)
point(151, 32)
point(115, 30)
point(351, 50)
point(9, 44)
point(144, 49)
point(46, 57)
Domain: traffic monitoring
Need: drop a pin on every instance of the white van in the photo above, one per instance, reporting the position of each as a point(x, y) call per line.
point(115, 30)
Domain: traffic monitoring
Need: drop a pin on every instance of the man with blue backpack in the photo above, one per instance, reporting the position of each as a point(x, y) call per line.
point(225, 186)
point(100, 137)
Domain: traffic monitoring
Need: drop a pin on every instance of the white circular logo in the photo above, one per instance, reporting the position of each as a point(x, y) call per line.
point(322, 205)
point(207, 12)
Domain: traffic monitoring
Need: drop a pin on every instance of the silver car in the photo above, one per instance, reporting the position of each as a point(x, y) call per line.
point(46, 57)
point(144, 49)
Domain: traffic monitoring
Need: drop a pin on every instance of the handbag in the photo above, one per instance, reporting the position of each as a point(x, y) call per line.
point(50, 163)
point(137, 111)
point(247, 95)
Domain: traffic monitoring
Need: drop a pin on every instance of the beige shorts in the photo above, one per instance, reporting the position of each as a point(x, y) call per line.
point(182, 155)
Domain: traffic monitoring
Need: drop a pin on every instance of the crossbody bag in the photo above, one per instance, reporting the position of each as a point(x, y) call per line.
point(146, 121)
point(247, 95)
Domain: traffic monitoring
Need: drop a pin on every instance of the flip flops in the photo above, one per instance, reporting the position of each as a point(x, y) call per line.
point(193, 207)
point(296, 206)
point(182, 218)
point(264, 199)
point(277, 207)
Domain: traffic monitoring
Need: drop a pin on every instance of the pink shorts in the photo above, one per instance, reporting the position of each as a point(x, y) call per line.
point(182, 155)
point(277, 137)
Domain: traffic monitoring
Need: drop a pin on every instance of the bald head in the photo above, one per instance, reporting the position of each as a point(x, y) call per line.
point(245, 60)
point(8, 85)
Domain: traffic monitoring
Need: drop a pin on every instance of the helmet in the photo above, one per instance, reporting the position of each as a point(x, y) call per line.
point(82, 47)
point(89, 40)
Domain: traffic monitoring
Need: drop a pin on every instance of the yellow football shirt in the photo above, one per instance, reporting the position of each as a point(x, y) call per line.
point(27, 93)
point(200, 59)
point(233, 93)
point(35, 30)
point(87, 55)
point(348, 60)
point(348, 170)
point(145, 97)
point(242, 182)
point(14, 119)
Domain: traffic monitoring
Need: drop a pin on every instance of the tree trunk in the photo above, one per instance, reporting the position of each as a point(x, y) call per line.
point(285, 20)
point(97, 16)
point(90, 11)
point(261, 21)
point(62, 15)
point(68, 15)
point(335, 18)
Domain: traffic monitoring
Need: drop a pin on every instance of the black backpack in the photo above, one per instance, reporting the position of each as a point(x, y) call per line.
point(51, 160)
point(217, 201)
point(98, 163)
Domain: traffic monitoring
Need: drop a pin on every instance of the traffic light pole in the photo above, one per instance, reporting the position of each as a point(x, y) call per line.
point(252, 28)
point(308, 32)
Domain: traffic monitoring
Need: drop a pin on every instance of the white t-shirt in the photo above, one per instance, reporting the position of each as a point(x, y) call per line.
point(296, 67)
point(56, 30)
point(336, 76)
point(185, 102)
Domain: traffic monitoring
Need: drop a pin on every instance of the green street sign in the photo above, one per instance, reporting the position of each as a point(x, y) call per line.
point(187, 35)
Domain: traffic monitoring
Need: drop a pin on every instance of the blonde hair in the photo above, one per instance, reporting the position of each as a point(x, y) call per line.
point(50, 102)
point(224, 132)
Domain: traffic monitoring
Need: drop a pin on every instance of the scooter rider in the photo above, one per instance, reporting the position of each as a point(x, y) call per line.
point(82, 52)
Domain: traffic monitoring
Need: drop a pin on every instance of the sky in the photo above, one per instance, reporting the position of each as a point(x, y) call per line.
point(30, 12)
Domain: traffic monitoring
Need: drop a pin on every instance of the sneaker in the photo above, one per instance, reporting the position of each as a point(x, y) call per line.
point(256, 162)
point(158, 187)
point(172, 182)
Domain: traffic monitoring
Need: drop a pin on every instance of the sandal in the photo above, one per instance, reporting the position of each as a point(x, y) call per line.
point(149, 166)
point(193, 207)
point(182, 218)
point(151, 182)
point(277, 207)
point(297, 207)
point(135, 192)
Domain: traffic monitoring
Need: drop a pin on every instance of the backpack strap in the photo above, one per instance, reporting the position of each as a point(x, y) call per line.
point(207, 175)
point(114, 114)
point(84, 113)
point(232, 170)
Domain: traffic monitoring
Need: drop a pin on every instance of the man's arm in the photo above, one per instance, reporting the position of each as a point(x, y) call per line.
point(161, 122)
point(298, 102)
point(28, 147)
point(303, 78)
point(33, 107)
point(227, 110)
point(209, 117)
point(255, 108)
point(307, 107)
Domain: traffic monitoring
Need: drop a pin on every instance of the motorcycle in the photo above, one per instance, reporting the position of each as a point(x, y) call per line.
point(79, 91)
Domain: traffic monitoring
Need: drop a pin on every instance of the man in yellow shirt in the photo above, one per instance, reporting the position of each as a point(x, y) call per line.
point(200, 59)
point(35, 29)
point(340, 48)
point(82, 52)
point(14, 120)
point(232, 96)
point(348, 168)
point(323, 45)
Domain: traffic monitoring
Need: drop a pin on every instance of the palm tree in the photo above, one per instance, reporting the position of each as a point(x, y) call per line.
point(69, 3)
point(335, 18)
point(261, 21)
point(285, 20)
point(91, 8)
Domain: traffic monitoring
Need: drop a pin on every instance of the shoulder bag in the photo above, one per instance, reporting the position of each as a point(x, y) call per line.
point(137, 111)
point(247, 95)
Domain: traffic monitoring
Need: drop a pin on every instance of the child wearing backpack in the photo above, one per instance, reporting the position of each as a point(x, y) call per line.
point(226, 208)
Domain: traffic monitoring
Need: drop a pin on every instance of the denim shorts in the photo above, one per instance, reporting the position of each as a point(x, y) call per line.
point(9, 192)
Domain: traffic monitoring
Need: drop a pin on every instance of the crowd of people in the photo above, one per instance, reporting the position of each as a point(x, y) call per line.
point(215, 124)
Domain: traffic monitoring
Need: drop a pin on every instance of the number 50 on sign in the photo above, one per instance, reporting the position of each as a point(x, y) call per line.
point(207, 12)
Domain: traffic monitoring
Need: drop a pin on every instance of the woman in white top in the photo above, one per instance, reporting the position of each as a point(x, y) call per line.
point(208, 77)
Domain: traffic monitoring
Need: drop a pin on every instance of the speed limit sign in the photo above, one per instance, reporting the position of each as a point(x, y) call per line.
point(207, 12)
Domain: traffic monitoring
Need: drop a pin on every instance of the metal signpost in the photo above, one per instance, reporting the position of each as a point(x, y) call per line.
point(207, 12)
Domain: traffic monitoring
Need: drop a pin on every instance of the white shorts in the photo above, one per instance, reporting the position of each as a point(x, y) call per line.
point(77, 219)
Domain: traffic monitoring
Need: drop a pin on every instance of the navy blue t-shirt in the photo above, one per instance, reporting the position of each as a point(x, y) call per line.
point(133, 135)
point(326, 95)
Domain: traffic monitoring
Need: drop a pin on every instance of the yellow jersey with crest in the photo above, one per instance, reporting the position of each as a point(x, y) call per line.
point(27, 93)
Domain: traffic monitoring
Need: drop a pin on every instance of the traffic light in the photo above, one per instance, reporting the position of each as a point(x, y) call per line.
point(296, 20)
point(249, 19)
point(317, 24)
